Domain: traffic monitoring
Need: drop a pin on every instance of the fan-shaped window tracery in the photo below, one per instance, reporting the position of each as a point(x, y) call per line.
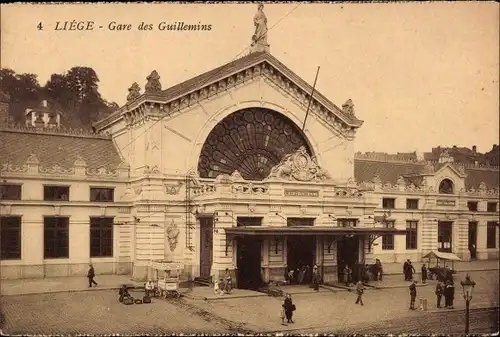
point(250, 141)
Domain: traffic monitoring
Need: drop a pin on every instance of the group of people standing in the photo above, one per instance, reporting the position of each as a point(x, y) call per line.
point(446, 289)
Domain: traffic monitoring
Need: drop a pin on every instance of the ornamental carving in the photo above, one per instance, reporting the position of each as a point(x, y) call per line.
point(172, 235)
point(299, 166)
point(101, 172)
point(173, 189)
point(348, 107)
point(32, 159)
point(153, 84)
point(56, 169)
point(133, 92)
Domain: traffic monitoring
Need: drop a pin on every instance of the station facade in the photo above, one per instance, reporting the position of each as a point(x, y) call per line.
point(217, 173)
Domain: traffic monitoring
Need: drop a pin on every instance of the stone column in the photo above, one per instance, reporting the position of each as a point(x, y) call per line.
point(461, 238)
point(482, 232)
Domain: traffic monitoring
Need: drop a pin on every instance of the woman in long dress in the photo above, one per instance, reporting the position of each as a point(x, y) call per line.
point(260, 22)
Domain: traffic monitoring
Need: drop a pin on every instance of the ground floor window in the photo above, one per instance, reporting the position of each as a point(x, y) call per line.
point(300, 221)
point(243, 221)
point(411, 234)
point(56, 237)
point(388, 239)
point(445, 232)
point(491, 234)
point(101, 236)
point(10, 234)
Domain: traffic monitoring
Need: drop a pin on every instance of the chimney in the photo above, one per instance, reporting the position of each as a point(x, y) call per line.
point(474, 149)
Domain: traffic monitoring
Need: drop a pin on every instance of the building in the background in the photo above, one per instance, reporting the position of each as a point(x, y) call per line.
point(43, 116)
point(217, 173)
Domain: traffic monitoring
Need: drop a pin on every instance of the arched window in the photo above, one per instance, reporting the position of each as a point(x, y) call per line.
point(446, 186)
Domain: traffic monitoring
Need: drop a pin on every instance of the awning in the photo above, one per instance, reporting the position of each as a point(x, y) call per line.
point(442, 256)
point(309, 230)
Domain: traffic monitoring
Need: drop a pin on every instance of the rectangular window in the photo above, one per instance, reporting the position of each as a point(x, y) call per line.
point(10, 192)
point(56, 193)
point(388, 203)
point(347, 222)
point(56, 237)
point(10, 237)
point(472, 205)
point(300, 221)
point(491, 207)
point(388, 239)
point(491, 234)
point(411, 203)
point(100, 194)
point(411, 234)
point(101, 236)
point(445, 230)
point(243, 221)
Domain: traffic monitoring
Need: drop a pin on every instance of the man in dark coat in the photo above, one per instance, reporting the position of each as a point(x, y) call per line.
point(360, 289)
point(91, 275)
point(439, 293)
point(452, 294)
point(413, 295)
point(289, 308)
point(405, 270)
point(424, 273)
point(316, 277)
point(411, 270)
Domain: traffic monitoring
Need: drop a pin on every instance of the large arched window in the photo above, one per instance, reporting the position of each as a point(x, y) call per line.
point(446, 186)
point(250, 141)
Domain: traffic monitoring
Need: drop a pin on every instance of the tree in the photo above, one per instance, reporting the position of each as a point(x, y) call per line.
point(23, 89)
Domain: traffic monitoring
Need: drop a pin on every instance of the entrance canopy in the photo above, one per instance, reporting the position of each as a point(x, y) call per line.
point(309, 230)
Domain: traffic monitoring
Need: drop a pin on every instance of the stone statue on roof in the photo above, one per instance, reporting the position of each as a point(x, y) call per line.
point(153, 84)
point(259, 38)
point(348, 107)
point(133, 92)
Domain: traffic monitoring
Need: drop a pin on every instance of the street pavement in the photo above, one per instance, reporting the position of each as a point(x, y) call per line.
point(99, 312)
point(338, 309)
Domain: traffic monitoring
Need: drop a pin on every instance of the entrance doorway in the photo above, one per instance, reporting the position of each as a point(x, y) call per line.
point(348, 254)
point(248, 264)
point(445, 231)
point(206, 246)
point(301, 257)
point(473, 240)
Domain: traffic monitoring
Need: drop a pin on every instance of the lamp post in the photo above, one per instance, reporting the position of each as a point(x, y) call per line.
point(467, 287)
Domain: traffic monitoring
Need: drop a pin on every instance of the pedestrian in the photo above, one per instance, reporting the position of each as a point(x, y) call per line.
point(424, 274)
point(228, 282)
point(439, 292)
point(413, 294)
point(411, 270)
point(452, 294)
point(447, 294)
point(360, 289)
point(289, 308)
point(379, 268)
point(315, 278)
point(405, 270)
point(91, 275)
point(347, 275)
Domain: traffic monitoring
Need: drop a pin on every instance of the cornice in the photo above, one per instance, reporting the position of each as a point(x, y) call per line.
point(142, 107)
point(80, 133)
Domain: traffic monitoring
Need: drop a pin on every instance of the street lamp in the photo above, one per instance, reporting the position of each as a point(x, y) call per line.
point(467, 287)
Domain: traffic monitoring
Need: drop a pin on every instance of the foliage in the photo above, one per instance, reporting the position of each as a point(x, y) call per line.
point(75, 93)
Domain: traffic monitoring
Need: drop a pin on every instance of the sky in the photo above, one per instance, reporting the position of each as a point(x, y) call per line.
point(419, 74)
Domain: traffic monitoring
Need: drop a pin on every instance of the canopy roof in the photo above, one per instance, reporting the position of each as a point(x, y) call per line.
point(309, 230)
point(442, 256)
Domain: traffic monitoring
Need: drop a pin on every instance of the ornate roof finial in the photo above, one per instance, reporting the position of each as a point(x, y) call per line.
point(348, 107)
point(259, 38)
point(133, 92)
point(153, 84)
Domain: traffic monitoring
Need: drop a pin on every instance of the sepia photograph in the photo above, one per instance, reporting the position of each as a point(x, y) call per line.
point(249, 168)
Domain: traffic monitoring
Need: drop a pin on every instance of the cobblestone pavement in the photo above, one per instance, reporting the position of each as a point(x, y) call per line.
point(481, 321)
point(101, 313)
point(338, 309)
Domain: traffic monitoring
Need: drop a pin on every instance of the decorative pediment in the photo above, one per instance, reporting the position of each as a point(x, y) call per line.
point(243, 70)
point(299, 166)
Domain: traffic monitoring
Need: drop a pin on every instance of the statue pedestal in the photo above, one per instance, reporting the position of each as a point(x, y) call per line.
point(259, 47)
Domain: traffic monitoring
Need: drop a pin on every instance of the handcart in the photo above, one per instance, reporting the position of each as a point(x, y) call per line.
point(442, 271)
point(168, 285)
